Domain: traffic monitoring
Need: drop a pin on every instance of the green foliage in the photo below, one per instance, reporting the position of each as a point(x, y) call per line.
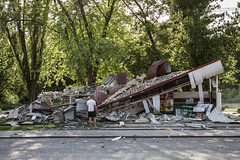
point(36, 127)
point(24, 23)
point(11, 86)
point(5, 107)
point(71, 43)
point(198, 36)
point(231, 95)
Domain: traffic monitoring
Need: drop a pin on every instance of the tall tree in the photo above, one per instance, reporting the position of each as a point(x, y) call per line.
point(89, 22)
point(11, 85)
point(146, 44)
point(25, 25)
point(199, 35)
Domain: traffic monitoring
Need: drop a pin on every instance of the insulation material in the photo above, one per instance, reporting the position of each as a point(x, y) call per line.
point(158, 68)
point(13, 114)
point(156, 102)
point(207, 71)
point(145, 106)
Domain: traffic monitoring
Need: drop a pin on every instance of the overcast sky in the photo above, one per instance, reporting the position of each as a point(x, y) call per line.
point(229, 3)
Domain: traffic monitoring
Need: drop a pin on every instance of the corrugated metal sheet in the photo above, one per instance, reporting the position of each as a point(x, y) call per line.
point(121, 78)
point(158, 68)
point(81, 105)
point(114, 89)
point(217, 116)
point(110, 78)
point(100, 94)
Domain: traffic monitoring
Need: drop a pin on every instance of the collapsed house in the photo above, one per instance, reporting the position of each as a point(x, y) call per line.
point(157, 92)
point(160, 92)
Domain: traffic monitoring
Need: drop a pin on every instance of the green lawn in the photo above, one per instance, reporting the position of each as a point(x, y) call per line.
point(231, 107)
point(27, 127)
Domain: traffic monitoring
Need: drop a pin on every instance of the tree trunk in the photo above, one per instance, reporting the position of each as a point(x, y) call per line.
point(32, 91)
point(90, 36)
point(90, 75)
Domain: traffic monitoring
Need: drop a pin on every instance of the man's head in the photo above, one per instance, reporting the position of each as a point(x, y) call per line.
point(91, 97)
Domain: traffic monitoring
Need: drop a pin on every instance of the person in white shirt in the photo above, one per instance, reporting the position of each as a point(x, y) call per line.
point(91, 111)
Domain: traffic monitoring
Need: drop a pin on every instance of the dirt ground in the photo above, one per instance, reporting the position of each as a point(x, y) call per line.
point(231, 110)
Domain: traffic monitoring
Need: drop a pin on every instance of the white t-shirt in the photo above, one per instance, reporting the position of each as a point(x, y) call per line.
point(91, 104)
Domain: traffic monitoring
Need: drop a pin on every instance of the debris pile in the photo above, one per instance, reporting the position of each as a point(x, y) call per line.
point(144, 99)
point(52, 107)
point(135, 85)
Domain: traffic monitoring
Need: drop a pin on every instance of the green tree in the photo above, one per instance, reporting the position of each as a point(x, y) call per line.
point(91, 33)
point(11, 86)
point(25, 25)
point(147, 38)
point(198, 35)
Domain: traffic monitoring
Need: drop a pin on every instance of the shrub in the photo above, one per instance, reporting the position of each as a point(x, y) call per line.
point(5, 107)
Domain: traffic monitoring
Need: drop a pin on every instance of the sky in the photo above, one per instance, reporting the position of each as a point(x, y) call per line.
point(229, 3)
point(226, 5)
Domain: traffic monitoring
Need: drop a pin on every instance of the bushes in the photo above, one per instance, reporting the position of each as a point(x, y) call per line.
point(4, 107)
point(231, 95)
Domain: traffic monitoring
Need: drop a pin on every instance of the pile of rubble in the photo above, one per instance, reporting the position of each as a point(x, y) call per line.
point(119, 99)
point(70, 103)
point(137, 85)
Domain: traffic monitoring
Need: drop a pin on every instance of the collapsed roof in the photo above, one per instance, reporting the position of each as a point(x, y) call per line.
point(162, 82)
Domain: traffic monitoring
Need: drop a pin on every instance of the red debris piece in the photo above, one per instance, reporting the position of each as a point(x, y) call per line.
point(100, 95)
point(157, 69)
point(114, 89)
point(121, 78)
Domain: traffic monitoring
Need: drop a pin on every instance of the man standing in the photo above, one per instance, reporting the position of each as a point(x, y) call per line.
point(91, 110)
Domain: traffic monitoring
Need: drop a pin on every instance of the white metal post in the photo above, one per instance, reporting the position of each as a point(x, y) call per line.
point(217, 91)
point(210, 84)
point(210, 89)
point(200, 92)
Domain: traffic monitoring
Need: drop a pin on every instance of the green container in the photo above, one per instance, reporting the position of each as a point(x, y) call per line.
point(186, 110)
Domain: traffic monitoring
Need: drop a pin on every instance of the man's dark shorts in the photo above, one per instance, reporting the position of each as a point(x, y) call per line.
point(92, 114)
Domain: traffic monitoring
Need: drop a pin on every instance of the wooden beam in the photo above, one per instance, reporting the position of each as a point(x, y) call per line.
point(182, 95)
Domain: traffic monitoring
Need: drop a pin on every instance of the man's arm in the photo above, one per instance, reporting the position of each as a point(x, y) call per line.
point(87, 109)
point(96, 108)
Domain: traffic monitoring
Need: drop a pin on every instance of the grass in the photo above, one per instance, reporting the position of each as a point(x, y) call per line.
point(29, 127)
point(4, 127)
point(231, 107)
